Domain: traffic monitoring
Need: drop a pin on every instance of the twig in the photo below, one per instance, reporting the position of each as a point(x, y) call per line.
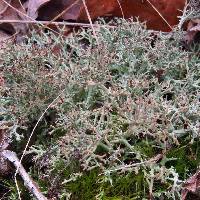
point(30, 184)
point(56, 23)
point(4, 195)
point(186, 14)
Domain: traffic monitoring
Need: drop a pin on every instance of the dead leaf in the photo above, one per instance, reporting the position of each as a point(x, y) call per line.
point(192, 185)
point(73, 9)
point(159, 14)
point(70, 10)
point(193, 28)
point(10, 13)
point(4, 6)
point(152, 11)
point(33, 6)
point(98, 8)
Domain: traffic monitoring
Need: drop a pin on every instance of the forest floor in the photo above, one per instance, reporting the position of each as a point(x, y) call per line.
point(109, 112)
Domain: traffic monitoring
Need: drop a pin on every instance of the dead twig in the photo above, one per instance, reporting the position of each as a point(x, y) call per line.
point(56, 23)
point(30, 184)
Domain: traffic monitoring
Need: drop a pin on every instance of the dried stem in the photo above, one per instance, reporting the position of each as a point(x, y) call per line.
point(30, 184)
point(160, 14)
point(55, 23)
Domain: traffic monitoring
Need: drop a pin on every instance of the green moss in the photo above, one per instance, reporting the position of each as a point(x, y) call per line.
point(130, 185)
point(145, 147)
point(12, 193)
point(85, 187)
point(187, 158)
point(123, 187)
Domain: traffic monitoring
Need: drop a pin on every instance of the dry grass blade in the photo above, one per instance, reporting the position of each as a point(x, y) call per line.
point(90, 20)
point(64, 11)
point(121, 8)
point(160, 14)
point(21, 5)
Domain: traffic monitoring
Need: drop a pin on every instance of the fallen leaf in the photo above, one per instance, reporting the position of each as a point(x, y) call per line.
point(154, 12)
point(72, 10)
point(9, 13)
point(159, 14)
point(192, 185)
point(4, 6)
point(33, 6)
point(98, 8)
point(193, 28)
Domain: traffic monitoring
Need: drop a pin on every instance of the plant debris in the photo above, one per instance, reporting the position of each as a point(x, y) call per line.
point(160, 15)
point(192, 185)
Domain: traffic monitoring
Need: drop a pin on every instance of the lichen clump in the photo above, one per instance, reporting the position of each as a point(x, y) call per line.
point(125, 123)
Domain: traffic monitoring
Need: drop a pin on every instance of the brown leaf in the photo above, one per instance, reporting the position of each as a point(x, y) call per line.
point(3, 6)
point(192, 185)
point(159, 14)
point(98, 8)
point(168, 9)
point(33, 6)
point(8, 29)
point(193, 28)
